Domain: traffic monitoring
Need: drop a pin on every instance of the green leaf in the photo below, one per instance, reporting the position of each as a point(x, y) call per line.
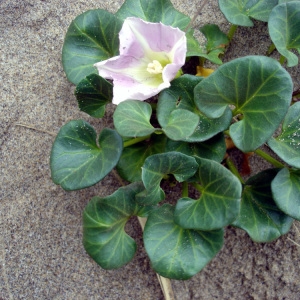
point(216, 42)
point(132, 118)
point(181, 96)
point(133, 157)
point(160, 11)
point(284, 1)
point(157, 166)
point(76, 161)
point(286, 192)
point(287, 144)
point(175, 252)
point(181, 124)
point(93, 93)
point(219, 203)
point(239, 12)
point(259, 215)
point(260, 90)
point(214, 148)
point(104, 219)
point(193, 46)
point(284, 24)
point(91, 38)
point(153, 11)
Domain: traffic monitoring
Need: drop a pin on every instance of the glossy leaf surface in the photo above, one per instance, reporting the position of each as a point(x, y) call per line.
point(286, 192)
point(181, 124)
point(284, 1)
point(240, 12)
point(284, 24)
point(93, 93)
point(159, 165)
point(216, 42)
point(133, 157)
point(258, 87)
point(104, 219)
point(287, 144)
point(91, 37)
point(175, 252)
point(213, 148)
point(219, 203)
point(259, 215)
point(76, 160)
point(181, 96)
point(153, 11)
point(132, 118)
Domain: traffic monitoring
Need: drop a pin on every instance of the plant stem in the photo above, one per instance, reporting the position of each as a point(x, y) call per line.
point(231, 32)
point(185, 189)
point(198, 187)
point(201, 61)
point(153, 106)
point(233, 169)
point(270, 50)
point(269, 158)
point(226, 132)
point(281, 59)
point(135, 141)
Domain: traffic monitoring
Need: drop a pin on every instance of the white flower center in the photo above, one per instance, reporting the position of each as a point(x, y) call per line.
point(155, 67)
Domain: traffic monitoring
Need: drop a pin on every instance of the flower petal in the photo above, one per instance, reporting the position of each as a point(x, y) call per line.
point(140, 44)
point(138, 35)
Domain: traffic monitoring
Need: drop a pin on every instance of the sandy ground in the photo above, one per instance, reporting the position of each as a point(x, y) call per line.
point(41, 255)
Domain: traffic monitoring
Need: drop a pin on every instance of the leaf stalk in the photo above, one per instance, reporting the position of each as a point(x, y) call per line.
point(269, 158)
point(135, 141)
point(234, 170)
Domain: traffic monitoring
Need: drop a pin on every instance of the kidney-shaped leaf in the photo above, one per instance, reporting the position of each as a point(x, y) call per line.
point(287, 144)
point(284, 30)
point(104, 219)
point(180, 96)
point(154, 11)
point(239, 12)
point(219, 203)
point(213, 148)
point(132, 118)
point(258, 87)
point(91, 37)
point(181, 124)
point(133, 157)
point(259, 216)
point(76, 160)
point(157, 166)
point(216, 42)
point(93, 93)
point(175, 252)
point(286, 192)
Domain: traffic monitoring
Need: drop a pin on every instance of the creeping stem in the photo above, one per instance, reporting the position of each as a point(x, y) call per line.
point(198, 187)
point(269, 158)
point(135, 141)
point(281, 59)
point(231, 32)
point(233, 169)
point(185, 189)
point(270, 50)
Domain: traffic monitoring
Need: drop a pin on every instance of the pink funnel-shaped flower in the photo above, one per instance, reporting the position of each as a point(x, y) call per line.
point(151, 54)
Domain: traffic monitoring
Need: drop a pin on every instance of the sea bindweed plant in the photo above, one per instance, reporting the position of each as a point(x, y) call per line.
point(176, 126)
